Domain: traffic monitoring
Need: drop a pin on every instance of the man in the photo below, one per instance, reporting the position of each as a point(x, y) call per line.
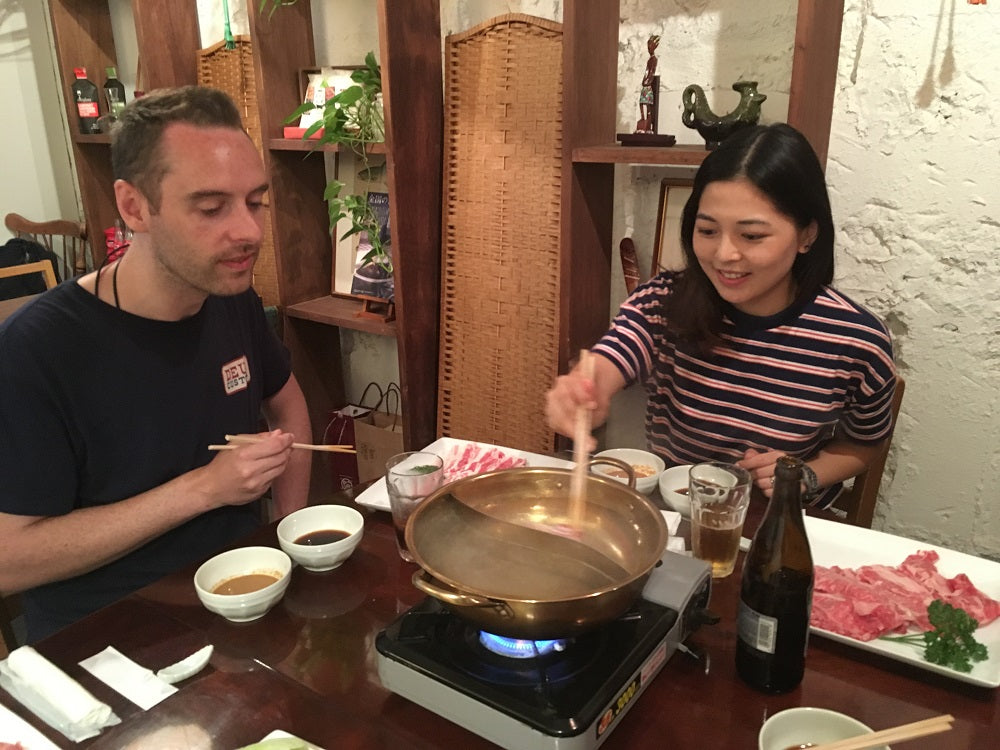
point(113, 386)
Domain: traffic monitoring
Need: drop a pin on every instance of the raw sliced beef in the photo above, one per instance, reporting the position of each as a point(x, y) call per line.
point(472, 458)
point(874, 600)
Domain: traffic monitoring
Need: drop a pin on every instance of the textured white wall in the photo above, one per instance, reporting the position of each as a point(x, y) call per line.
point(913, 170)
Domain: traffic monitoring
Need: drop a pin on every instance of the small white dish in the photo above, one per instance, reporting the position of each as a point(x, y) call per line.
point(333, 520)
point(186, 667)
point(636, 458)
point(801, 726)
point(674, 489)
point(239, 562)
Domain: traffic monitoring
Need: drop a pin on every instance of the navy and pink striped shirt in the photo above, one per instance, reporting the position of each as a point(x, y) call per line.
point(787, 382)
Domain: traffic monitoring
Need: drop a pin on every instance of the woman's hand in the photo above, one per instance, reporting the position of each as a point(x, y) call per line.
point(574, 391)
point(761, 467)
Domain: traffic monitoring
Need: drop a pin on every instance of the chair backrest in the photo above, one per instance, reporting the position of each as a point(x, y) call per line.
point(67, 239)
point(10, 610)
point(859, 500)
point(43, 267)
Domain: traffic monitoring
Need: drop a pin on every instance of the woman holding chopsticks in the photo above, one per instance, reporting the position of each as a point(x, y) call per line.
point(748, 354)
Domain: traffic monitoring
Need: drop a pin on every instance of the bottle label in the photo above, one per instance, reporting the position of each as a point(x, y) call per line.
point(756, 630)
point(87, 109)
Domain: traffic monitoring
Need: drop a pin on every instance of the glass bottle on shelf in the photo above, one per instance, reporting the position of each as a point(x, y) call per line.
point(85, 98)
point(114, 93)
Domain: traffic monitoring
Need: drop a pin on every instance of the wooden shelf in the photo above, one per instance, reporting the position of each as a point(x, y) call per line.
point(342, 312)
point(681, 155)
point(297, 144)
point(88, 138)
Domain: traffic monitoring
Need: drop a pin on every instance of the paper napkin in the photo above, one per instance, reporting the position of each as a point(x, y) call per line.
point(674, 543)
point(135, 682)
point(53, 696)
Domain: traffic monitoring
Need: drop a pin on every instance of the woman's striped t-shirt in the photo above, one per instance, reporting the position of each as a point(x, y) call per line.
point(787, 382)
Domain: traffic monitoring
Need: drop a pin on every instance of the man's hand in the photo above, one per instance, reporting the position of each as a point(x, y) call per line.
point(243, 474)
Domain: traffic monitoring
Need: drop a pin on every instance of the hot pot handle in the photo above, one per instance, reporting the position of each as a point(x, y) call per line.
point(623, 465)
point(429, 585)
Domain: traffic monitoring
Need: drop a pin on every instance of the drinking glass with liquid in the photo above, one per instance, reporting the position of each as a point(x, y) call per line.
point(410, 477)
point(720, 496)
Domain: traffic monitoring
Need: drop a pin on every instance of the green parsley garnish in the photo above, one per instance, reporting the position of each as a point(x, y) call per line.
point(424, 469)
point(952, 642)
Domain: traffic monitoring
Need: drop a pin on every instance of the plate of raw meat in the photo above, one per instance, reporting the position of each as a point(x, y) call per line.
point(870, 584)
point(464, 458)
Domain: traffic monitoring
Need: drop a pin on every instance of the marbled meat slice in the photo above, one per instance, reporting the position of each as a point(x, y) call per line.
point(465, 460)
point(874, 600)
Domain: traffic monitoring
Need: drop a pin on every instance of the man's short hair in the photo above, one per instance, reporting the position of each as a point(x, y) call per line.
point(136, 139)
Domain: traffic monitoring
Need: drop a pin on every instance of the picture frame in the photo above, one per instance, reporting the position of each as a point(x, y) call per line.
point(667, 251)
point(318, 84)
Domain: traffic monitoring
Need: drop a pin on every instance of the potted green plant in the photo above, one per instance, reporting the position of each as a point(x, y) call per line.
point(353, 118)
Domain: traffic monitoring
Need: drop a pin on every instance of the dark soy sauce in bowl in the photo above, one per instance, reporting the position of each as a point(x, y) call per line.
point(323, 536)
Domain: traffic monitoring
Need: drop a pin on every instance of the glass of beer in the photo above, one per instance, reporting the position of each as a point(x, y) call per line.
point(410, 477)
point(720, 495)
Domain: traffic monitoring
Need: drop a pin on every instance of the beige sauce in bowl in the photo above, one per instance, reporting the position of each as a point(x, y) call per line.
point(244, 584)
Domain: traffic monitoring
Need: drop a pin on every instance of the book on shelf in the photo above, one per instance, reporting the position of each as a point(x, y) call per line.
point(372, 276)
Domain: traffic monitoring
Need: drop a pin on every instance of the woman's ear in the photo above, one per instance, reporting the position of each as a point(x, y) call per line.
point(132, 206)
point(808, 236)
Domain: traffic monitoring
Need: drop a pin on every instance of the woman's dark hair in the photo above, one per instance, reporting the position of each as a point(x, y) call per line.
point(779, 161)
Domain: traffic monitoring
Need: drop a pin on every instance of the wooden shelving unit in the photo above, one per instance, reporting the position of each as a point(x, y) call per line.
point(590, 80)
point(83, 37)
point(687, 155)
point(283, 44)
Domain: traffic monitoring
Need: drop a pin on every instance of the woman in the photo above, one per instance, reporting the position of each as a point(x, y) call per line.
point(749, 354)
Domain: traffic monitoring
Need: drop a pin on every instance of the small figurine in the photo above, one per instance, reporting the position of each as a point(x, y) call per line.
point(648, 93)
point(714, 128)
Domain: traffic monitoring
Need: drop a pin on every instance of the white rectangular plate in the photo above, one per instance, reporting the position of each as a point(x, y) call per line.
point(377, 497)
point(15, 729)
point(835, 543)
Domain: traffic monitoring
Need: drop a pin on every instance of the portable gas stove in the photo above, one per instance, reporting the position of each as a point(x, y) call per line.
point(539, 695)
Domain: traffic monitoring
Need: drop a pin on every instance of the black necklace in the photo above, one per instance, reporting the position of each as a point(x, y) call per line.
point(114, 281)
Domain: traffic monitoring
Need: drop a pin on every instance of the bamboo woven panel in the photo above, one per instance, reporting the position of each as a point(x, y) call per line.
point(231, 70)
point(500, 256)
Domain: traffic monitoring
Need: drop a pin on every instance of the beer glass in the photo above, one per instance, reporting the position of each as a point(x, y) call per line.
point(720, 496)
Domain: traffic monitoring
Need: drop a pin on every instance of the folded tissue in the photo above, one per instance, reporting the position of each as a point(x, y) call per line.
point(53, 696)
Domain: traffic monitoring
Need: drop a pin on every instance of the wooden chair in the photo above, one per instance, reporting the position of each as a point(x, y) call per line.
point(67, 239)
point(859, 501)
point(43, 267)
point(10, 610)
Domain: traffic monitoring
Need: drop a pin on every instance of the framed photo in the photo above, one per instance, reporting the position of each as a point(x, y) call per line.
point(317, 85)
point(667, 253)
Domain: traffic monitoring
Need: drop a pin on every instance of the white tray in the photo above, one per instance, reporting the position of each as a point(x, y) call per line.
point(835, 543)
point(377, 497)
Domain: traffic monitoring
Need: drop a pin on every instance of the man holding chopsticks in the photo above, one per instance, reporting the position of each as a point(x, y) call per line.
point(115, 384)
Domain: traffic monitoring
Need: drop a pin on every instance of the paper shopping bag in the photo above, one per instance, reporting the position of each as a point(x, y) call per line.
point(380, 439)
point(342, 430)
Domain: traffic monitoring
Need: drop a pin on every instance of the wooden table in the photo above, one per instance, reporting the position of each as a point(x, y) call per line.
point(308, 667)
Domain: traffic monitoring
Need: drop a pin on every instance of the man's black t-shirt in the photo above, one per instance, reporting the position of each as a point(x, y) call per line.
point(98, 405)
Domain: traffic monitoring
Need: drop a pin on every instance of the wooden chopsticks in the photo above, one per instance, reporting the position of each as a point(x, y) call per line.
point(581, 434)
point(235, 441)
point(901, 733)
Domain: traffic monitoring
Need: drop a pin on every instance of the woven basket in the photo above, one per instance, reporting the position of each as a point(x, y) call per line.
point(231, 70)
point(500, 256)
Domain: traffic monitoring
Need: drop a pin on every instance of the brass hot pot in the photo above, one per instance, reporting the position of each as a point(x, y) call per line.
point(499, 551)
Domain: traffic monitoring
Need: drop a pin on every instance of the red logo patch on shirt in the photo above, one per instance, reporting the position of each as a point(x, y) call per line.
point(236, 375)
